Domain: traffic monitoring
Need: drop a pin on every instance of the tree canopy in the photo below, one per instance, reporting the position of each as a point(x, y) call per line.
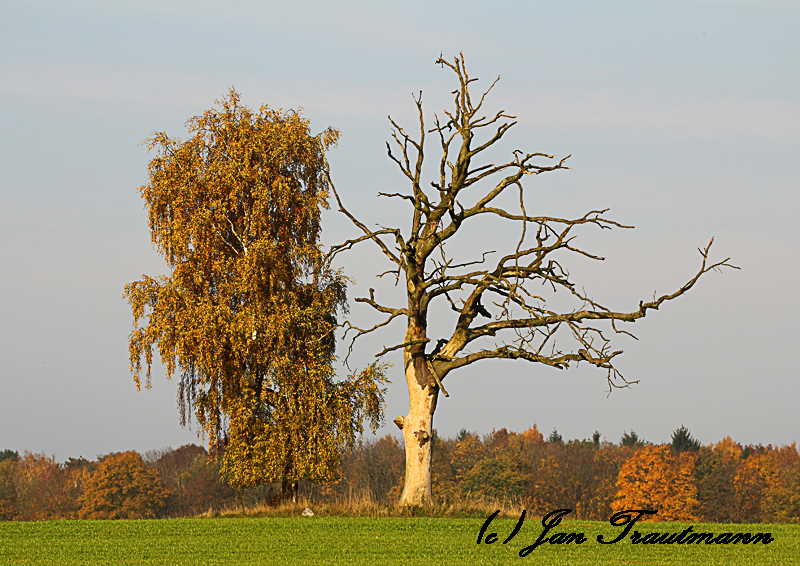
point(631, 439)
point(247, 314)
point(682, 440)
point(123, 488)
point(655, 478)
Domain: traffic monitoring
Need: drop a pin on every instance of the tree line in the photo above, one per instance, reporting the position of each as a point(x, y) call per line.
point(124, 485)
point(686, 481)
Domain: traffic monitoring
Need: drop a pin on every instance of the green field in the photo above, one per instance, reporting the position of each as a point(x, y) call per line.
point(365, 541)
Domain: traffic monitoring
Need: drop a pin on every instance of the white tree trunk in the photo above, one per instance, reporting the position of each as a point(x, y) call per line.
point(417, 430)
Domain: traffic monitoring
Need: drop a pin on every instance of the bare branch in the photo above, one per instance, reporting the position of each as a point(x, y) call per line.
point(492, 328)
point(362, 331)
point(500, 296)
point(368, 234)
point(403, 345)
point(371, 302)
point(537, 257)
point(398, 195)
point(347, 244)
point(438, 380)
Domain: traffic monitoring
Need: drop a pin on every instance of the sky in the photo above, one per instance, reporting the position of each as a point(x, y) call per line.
point(681, 117)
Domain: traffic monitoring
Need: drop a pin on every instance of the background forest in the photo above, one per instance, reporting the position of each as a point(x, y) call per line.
point(721, 482)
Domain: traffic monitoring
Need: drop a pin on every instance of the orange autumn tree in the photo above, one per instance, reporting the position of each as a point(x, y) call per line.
point(9, 508)
point(752, 480)
point(123, 488)
point(782, 499)
point(247, 314)
point(655, 478)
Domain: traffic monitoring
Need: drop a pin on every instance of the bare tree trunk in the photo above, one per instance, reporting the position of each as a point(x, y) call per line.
point(437, 217)
point(289, 490)
point(417, 430)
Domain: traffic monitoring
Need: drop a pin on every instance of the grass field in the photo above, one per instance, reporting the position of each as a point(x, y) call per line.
point(366, 541)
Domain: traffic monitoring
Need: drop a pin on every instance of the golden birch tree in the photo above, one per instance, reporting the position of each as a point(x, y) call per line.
point(500, 306)
point(247, 314)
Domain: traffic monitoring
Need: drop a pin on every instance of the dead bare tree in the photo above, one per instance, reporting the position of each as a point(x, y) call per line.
point(522, 314)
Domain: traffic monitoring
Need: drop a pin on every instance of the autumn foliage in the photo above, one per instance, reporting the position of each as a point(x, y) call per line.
point(163, 483)
point(782, 498)
point(247, 314)
point(123, 488)
point(655, 478)
point(721, 482)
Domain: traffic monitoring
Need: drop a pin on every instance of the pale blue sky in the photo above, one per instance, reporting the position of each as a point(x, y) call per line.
point(682, 117)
